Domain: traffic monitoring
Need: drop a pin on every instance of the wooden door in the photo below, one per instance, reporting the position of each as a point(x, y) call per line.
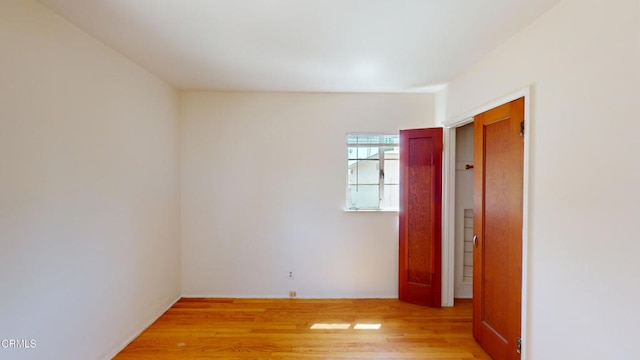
point(498, 192)
point(420, 280)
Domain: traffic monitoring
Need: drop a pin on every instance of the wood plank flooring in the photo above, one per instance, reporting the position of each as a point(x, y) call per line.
point(281, 329)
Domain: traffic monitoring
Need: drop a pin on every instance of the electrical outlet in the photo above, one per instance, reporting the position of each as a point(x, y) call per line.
point(292, 294)
point(290, 275)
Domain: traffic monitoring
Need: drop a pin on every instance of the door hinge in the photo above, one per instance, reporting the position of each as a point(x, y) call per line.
point(522, 128)
point(519, 346)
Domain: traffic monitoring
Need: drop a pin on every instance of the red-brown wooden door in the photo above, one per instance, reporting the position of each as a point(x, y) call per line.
point(420, 280)
point(498, 200)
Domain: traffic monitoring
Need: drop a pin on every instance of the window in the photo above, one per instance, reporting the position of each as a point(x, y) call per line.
point(373, 165)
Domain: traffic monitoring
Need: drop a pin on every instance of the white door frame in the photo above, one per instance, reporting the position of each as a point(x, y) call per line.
point(449, 200)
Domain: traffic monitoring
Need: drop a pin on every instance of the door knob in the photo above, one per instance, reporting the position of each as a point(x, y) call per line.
point(475, 240)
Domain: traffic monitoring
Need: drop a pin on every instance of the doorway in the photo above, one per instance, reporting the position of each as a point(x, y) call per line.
point(463, 283)
point(453, 261)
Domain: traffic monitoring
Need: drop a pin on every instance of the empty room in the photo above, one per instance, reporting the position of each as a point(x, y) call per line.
point(280, 179)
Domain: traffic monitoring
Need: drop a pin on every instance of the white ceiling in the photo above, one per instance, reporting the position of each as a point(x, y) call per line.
point(303, 45)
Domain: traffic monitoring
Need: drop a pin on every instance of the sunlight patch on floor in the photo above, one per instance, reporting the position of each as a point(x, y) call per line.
point(367, 326)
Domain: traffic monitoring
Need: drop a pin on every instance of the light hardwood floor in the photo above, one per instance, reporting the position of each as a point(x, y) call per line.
point(281, 329)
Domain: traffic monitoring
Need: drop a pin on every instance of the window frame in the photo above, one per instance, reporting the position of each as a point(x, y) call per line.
point(381, 144)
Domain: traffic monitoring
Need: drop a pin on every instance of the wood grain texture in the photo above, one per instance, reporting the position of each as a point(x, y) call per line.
point(498, 201)
point(420, 236)
point(281, 329)
point(419, 262)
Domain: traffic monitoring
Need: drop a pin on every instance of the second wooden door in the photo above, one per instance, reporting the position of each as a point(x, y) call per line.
point(420, 242)
point(498, 201)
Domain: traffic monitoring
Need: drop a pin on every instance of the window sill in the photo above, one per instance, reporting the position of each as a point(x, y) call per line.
point(372, 211)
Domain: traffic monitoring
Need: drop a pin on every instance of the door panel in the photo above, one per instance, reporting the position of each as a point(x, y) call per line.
point(420, 244)
point(498, 192)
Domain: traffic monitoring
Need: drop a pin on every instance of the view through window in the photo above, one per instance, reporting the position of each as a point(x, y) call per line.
point(373, 165)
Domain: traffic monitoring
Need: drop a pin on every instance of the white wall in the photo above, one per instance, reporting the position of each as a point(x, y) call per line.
point(583, 61)
point(89, 190)
point(263, 193)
